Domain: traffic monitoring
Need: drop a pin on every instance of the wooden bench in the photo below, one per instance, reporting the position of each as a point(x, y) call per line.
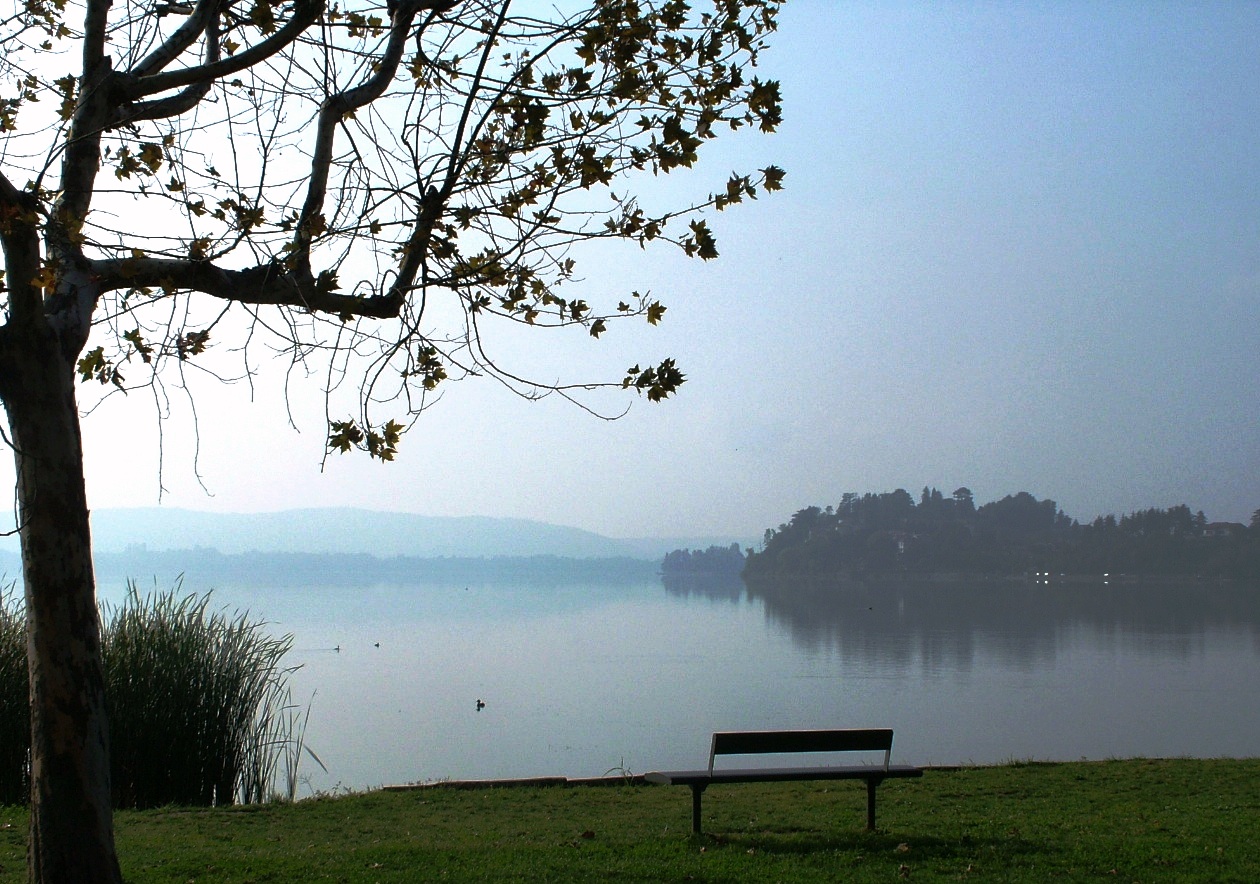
point(767, 742)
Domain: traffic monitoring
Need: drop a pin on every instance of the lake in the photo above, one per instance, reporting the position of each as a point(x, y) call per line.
point(582, 679)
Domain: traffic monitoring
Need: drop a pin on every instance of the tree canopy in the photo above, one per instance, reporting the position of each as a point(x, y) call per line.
point(400, 182)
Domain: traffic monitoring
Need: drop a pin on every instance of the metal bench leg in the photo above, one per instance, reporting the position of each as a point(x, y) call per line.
point(871, 784)
point(697, 789)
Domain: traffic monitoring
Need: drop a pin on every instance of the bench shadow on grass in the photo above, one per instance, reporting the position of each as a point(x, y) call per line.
point(922, 847)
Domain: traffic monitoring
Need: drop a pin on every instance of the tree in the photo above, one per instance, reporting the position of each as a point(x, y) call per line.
point(964, 502)
point(374, 193)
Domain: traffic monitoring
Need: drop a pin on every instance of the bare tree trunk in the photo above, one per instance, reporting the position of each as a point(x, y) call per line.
point(72, 830)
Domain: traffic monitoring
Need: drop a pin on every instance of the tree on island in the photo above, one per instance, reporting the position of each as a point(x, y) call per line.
point(374, 190)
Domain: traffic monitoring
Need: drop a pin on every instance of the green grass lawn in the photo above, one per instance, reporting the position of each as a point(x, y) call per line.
point(1177, 820)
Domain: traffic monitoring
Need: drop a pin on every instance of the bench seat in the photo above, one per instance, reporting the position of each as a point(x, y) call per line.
point(781, 774)
point(766, 742)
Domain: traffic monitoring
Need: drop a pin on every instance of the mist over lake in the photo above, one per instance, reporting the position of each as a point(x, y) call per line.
point(581, 677)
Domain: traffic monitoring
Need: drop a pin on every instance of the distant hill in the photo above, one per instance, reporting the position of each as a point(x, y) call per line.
point(361, 531)
point(277, 569)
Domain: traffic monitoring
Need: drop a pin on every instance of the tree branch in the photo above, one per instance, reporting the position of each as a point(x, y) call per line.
point(186, 100)
point(203, 15)
point(82, 158)
point(305, 13)
point(19, 238)
point(264, 284)
point(95, 28)
point(337, 106)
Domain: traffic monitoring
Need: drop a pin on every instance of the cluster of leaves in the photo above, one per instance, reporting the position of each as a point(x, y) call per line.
point(95, 365)
point(656, 382)
point(380, 442)
point(555, 128)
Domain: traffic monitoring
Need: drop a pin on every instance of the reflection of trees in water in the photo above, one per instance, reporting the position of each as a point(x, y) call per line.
point(716, 587)
point(945, 624)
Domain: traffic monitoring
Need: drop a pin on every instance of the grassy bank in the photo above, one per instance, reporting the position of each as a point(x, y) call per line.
point(1180, 820)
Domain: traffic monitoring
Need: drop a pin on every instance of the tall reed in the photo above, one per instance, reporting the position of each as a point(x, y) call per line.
point(199, 703)
point(15, 733)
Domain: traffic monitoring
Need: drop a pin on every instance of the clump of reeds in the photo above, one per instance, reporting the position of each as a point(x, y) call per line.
point(15, 733)
point(199, 705)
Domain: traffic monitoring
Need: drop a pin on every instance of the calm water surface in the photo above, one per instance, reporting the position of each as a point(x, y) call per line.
point(581, 680)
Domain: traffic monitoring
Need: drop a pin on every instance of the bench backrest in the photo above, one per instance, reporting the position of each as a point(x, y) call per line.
point(766, 742)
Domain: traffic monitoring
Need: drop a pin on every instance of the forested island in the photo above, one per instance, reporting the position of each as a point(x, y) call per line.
point(891, 533)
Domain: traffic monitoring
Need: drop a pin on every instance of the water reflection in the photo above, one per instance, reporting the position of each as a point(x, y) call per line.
point(1020, 624)
point(716, 587)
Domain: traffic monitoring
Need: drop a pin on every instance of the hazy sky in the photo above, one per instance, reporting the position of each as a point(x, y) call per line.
point(1019, 249)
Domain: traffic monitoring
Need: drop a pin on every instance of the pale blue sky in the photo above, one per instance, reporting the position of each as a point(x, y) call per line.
point(1019, 249)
